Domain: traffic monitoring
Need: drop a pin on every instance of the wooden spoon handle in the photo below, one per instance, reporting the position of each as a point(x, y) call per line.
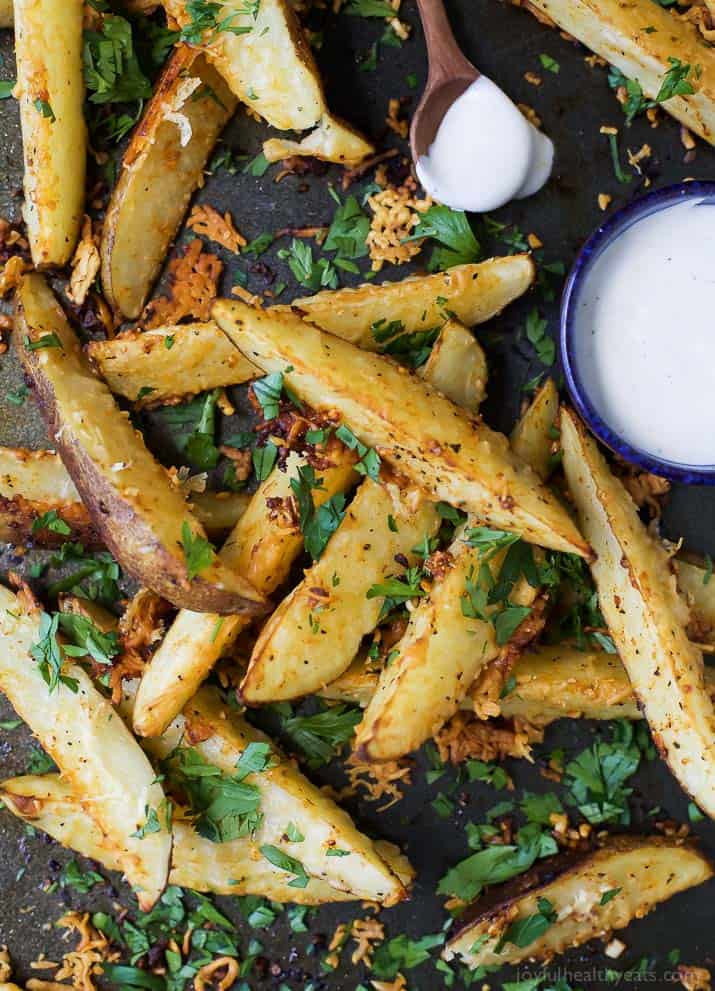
point(445, 56)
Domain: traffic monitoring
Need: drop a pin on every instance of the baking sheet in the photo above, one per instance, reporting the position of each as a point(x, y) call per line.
point(573, 104)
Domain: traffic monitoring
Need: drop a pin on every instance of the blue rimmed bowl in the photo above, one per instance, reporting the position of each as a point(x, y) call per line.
point(577, 279)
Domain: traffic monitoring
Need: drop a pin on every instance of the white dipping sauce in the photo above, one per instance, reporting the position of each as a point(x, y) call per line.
point(644, 340)
point(485, 152)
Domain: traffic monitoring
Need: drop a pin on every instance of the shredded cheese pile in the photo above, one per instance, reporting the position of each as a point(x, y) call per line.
point(465, 737)
point(84, 963)
point(209, 223)
point(85, 263)
point(379, 780)
point(396, 212)
point(193, 278)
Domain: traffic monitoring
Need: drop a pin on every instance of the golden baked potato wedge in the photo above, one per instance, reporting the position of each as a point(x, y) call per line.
point(642, 871)
point(162, 167)
point(261, 549)
point(33, 483)
point(697, 586)
point(169, 361)
point(286, 796)
point(48, 803)
point(315, 632)
point(50, 83)
point(471, 294)
point(96, 753)
point(438, 657)
point(266, 60)
point(532, 438)
point(6, 14)
point(552, 682)
point(640, 42)
point(140, 516)
point(333, 140)
point(36, 483)
point(639, 601)
point(418, 431)
point(457, 366)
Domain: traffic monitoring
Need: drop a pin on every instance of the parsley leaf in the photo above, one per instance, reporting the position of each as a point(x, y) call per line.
point(198, 552)
point(675, 81)
point(523, 932)
point(268, 392)
point(317, 524)
point(370, 8)
point(369, 463)
point(320, 736)
point(597, 777)
point(193, 429)
point(51, 520)
point(48, 654)
point(312, 274)
point(283, 862)
point(87, 639)
point(544, 345)
point(348, 231)
point(73, 876)
point(6, 88)
point(264, 459)
point(402, 953)
point(204, 20)
point(451, 229)
point(411, 349)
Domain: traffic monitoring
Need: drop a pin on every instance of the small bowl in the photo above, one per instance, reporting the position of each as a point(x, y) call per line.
point(601, 238)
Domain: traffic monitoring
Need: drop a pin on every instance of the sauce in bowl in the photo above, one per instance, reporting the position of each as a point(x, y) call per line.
point(638, 333)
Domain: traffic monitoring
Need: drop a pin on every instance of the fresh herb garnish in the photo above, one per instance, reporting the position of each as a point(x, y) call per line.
point(312, 274)
point(369, 459)
point(46, 341)
point(597, 777)
point(264, 459)
point(523, 932)
point(48, 654)
point(198, 552)
point(284, 862)
point(455, 237)
point(316, 524)
point(544, 345)
point(51, 520)
point(319, 737)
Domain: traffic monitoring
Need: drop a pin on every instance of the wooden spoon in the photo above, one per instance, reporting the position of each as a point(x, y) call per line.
point(450, 74)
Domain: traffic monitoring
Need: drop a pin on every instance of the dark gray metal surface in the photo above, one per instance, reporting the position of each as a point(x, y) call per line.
point(505, 43)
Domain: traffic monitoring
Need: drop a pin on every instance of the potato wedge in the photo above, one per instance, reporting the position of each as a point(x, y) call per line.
point(457, 366)
point(438, 657)
point(532, 437)
point(640, 42)
point(161, 169)
point(333, 140)
point(639, 601)
point(699, 592)
point(170, 361)
point(552, 682)
point(47, 802)
point(471, 293)
point(48, 44)
point(315, 632)
point(418, 431)
point(140, 516)
point(270, 67)
point(644, 870)
point(95, 751)
point(7, 19)
point(33, 483)
point(286, 796)
point(261, 549)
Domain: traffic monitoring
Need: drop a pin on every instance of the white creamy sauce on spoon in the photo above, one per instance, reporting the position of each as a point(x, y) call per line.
point(485, 152)
point(644, 334)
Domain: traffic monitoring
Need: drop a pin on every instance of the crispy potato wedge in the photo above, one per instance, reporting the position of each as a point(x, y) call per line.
point(315, 632)
point(639, 601)
point(418, 431)
point(48, 45)
point(472, 293)
point(645, 870)
point(286, 796)
point(262, 549)
point(161, 169)
point(93, 748)
point(270, 67)
point(438, 657)
point(552, 682)
point(333, 140)
point(699, 592)
point(139, 514)
point(640, 42)
point(457, 366)
point(170, 361)
point(48, 803)
point(33, 483)
point(219, 512)
point(532, 437)
point(6, 15)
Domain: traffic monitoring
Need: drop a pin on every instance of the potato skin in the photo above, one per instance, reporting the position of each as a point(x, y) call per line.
point(48, 42)
point(136, 510)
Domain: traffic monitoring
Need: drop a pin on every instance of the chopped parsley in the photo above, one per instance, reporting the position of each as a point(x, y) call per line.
point(544, 345)
point(317, 738)
point(411, 349)
point(44, 108)
point(87, 640)
point(523, 932)
point(198, 552)
point(402, 953)
point(284, 862)
point(369, 460)
point(597, 777)
point(264, 459)
point(457, 244)
point(151, 824)
point(370, 8)
point(348, 231)
point(205, 20)
point(316, 524)
point(48, 654)
point(193, 429)
point(226, 806)
point(609, 895)
point(6, 88)
point(312, 274)
point(675, 82)
point(51, 520)
point(397, 591)
point(46, 341)
point(74, 877)
point(549, 63)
